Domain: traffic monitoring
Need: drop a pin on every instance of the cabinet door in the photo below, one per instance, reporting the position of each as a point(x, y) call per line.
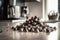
point(1, 14)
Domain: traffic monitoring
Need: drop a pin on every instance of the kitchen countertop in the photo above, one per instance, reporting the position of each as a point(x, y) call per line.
point(9, 34)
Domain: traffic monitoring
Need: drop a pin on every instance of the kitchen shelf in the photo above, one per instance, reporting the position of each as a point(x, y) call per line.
point(51, 21)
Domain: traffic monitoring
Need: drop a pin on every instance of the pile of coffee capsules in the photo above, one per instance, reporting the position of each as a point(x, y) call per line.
point(33, 25)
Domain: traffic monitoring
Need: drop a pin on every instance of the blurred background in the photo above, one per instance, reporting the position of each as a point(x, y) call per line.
point(15, 12)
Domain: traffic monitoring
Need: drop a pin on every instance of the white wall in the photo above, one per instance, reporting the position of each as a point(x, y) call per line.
point(35, 9)
point(52, 5)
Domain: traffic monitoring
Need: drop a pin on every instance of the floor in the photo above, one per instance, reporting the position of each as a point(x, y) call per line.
point(8, 34)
